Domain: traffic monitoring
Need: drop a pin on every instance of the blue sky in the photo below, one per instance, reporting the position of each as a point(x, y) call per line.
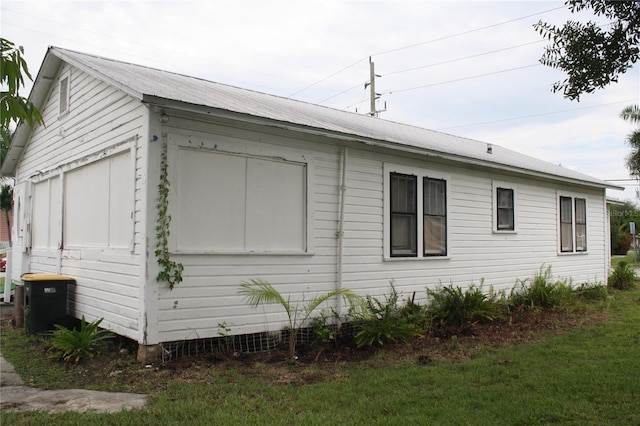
point(466, 68)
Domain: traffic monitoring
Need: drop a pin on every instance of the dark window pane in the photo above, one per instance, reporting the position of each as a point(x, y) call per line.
point(403, 237)
point(505, 209)
point(403, 208)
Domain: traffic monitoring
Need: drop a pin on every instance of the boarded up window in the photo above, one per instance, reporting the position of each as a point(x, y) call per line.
point(99, 204)
point(233, 203)
point(46, 215)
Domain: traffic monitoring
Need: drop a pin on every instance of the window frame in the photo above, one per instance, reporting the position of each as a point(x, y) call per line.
point(420, 174)
point(176, 142)
point(64, 94)
point(425, 214)
point(412, 251)
point(572, 199)
point(496, 186)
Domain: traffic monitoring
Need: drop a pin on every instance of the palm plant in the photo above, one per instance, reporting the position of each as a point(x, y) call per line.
point(258, 291)
point(632, 114)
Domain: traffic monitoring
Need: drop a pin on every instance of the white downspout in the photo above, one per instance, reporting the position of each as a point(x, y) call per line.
point(340, 231)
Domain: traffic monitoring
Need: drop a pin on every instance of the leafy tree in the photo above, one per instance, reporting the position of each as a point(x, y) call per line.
point(13, 107)
point(593, 57)
point(632, 114)
point(620, 216)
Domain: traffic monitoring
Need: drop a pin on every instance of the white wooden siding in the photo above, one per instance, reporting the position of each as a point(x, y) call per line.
point(208, 296)
point(100, 117)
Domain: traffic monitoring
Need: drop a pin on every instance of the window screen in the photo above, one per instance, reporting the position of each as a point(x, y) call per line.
point(581, 224)
point(435, 217)
point(566, 224)
point(403, 194)
point(505, 209)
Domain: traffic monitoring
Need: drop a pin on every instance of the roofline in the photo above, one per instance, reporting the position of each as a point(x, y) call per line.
point(41, 88)
point(347, 137)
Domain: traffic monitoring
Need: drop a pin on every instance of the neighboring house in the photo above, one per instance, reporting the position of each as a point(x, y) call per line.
point(307, 197)
point(5, 230)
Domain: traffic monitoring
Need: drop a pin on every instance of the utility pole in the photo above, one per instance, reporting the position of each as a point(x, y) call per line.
point(372, 84)
point(372, 80)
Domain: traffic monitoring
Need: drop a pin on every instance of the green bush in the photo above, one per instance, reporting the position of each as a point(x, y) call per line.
point(621, 244)
point(383, 321)
point(543, 293)
point(589, 292)
point(74, 345)
point(623, 277)
point(451, 306)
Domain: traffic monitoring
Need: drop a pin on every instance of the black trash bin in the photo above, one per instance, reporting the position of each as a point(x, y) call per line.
point(45, 301)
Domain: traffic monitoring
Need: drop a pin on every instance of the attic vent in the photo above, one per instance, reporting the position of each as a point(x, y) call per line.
point(64, 94)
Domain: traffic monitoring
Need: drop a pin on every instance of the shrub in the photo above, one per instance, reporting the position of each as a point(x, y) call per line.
point(75, 345)
point(542, 293)
point(451, 306)
point(623, 277)
point(587, 292)
point(384, 321)
point(622, 244)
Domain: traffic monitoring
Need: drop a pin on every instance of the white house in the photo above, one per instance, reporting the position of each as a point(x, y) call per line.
point(307, 197)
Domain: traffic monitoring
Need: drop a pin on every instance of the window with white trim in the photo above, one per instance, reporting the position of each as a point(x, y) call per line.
point(435, 216)
point(404, 215)
point(64, 91)
point(573, 224)
point(412, 193)
point(504, 209)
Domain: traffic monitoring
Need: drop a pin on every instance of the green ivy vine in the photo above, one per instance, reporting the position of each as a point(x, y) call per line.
point(170, 271)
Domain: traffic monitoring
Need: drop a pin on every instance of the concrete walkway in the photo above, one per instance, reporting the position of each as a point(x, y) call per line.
point(15, 396)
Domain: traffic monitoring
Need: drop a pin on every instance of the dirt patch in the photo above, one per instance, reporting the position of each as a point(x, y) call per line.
point(117, 369)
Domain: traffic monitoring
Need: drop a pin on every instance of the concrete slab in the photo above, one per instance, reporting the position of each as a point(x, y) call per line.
point(16, 397)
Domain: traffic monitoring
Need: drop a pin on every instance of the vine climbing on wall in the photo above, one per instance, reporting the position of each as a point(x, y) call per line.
point(170, 270)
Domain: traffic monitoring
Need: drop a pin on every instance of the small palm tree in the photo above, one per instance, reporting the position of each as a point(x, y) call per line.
point(258, 291)
point(632, 114)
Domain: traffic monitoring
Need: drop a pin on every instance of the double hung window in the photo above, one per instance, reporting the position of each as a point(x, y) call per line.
point(505, 209)
point(417, 207)
point(573, 224)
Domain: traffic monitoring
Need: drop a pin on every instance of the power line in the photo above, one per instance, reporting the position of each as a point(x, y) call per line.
point(534, 115)
point(467, 32)
point(328, 77)
point(463, 58)
point(460, 79)
point(422, 43)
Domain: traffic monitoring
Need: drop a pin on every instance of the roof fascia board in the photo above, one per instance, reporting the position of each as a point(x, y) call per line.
point(95, 73)
point(250, 119)
point(38, 95)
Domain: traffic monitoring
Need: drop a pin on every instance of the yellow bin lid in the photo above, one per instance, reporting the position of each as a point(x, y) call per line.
point(46, 277)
